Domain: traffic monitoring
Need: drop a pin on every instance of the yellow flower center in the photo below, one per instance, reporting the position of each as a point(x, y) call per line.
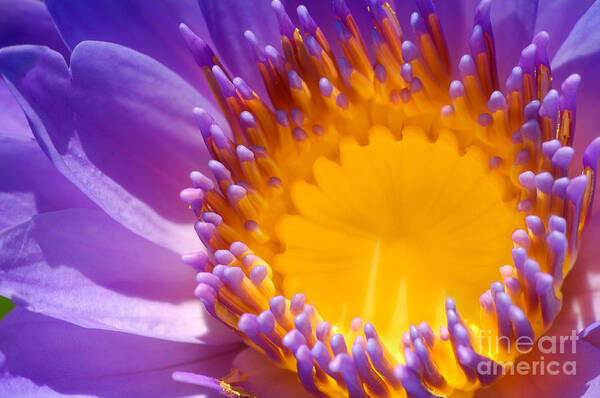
point(393, 228)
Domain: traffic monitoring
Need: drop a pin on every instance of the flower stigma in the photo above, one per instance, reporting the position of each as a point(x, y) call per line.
point(376, 213)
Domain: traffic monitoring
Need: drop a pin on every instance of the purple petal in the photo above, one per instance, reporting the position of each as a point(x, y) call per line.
point(514, 25)
point(583, 40)
point(593, 390)
point(135, 123)
point(569, 13)
point(81, 266)
point(582, 286)
point(30, 184)
point(580, 53)
point(28, 22)
point(148, 27)
point(591, 334)
point(267, 380)
point(46, 357)
point(227, 20)
point(12, 118)
point(122, 131)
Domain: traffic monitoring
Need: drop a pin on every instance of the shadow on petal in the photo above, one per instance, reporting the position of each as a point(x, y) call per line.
point(81, 266)
point(41, 355)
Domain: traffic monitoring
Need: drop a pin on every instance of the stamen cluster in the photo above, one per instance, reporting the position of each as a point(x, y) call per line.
point(524, 134)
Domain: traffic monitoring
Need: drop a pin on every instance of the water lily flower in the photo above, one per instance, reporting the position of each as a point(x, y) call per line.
point(386, 199)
